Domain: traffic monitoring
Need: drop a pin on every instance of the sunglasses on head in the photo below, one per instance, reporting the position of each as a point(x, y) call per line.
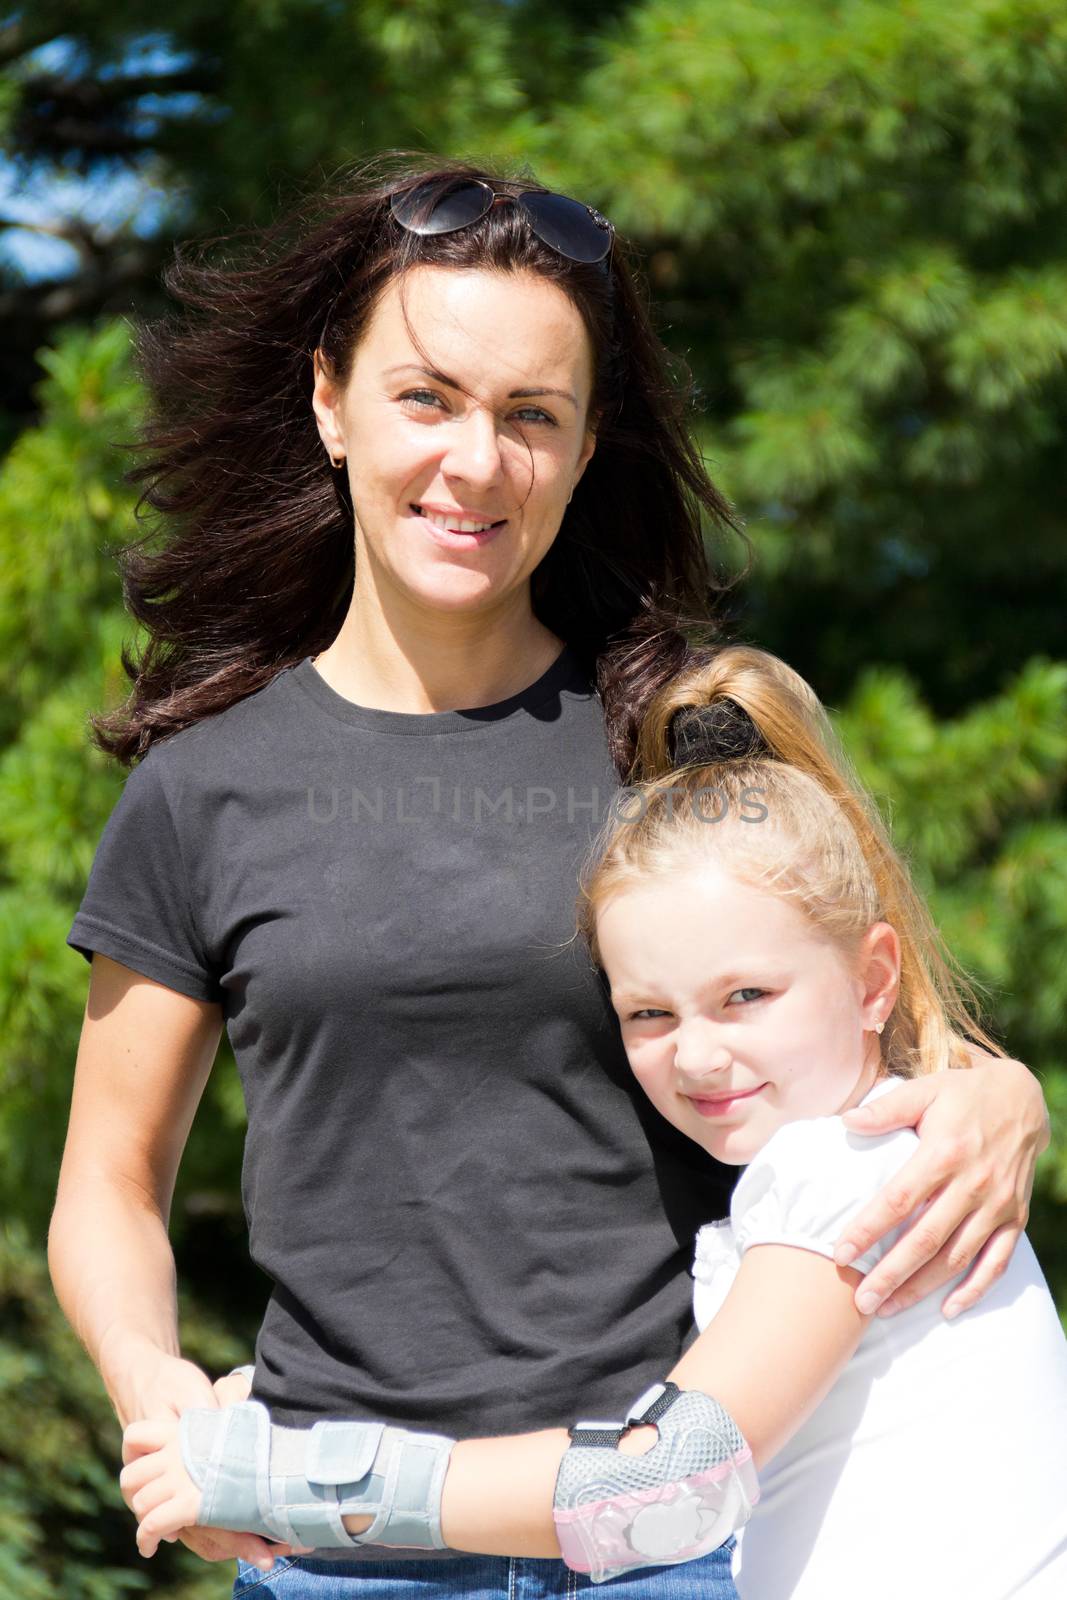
point(567, 226)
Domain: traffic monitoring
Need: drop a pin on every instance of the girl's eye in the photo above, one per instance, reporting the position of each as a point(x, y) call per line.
point(749, 993)
point(649, 1011)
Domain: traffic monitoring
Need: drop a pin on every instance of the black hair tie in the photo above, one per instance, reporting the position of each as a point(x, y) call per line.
point(722, 731)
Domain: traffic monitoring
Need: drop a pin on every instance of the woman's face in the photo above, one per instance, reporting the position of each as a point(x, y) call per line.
point(422, 455)
point(737, 1014)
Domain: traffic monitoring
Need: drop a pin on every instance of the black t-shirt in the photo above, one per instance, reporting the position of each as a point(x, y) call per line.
point(473, 1221)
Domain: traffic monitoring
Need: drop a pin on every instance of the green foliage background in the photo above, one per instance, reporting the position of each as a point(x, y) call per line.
point(853, 221)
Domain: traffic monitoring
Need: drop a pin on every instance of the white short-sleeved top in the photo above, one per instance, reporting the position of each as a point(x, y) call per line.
point(936, 1467)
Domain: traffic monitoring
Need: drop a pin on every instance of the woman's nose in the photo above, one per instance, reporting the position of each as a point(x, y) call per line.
point(474, 448)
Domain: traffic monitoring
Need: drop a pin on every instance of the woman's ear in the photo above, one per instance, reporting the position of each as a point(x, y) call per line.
point(588, 446)
point(326, 397)
point(879, 970)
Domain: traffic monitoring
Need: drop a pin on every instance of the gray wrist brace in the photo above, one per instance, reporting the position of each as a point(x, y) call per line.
point(296, 1484)
point(683, 1498)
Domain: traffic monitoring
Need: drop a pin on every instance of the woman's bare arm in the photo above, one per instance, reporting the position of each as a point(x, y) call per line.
point(144, 1057)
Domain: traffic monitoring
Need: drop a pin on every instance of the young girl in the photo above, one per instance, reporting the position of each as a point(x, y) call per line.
point(773, 968)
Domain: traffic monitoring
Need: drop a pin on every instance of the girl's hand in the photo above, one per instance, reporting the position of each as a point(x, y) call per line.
point(981, 1131)
point(157, 1387)
point(155, 1484)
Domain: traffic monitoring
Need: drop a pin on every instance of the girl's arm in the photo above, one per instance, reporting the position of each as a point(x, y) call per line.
point(771, 1353)
point(780, 1339)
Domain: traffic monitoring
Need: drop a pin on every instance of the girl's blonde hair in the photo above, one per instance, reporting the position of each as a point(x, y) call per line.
point(790, 817)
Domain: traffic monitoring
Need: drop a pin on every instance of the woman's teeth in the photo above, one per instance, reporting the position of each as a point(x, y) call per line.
point(455, 524)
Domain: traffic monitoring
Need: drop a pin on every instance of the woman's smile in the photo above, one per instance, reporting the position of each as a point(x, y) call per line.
point(458, 530)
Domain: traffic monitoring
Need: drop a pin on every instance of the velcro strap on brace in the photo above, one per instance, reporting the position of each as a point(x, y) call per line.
point(681, 1499)
point(296, 1484)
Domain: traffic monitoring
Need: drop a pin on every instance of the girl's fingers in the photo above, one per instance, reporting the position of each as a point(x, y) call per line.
point(158, 1492)
point(138, 1472)
point(151, 1433)
point(163, 1521)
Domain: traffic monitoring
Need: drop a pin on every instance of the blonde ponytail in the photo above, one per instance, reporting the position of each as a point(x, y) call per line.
point(819, 840)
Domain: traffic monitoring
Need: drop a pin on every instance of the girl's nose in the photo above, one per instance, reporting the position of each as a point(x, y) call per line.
point(697, 1055)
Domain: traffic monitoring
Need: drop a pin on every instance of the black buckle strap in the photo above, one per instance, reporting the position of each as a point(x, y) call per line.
point(659, 1406)
point(593, 1436)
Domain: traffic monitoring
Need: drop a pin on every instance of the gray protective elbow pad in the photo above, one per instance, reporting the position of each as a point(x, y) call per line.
point(682, 1499)
point(295, 1484)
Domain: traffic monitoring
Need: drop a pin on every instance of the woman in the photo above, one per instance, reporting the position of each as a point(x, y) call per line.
point(387, 699)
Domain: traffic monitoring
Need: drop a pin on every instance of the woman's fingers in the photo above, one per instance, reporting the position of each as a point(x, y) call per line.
point(950, 1233)
point(219, 1544)
point(918, 1180)
point(989, 1264)
point(901, 1109)
point(960, 1248)
point(232, 1388)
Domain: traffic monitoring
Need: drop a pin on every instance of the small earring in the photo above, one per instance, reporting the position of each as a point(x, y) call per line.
point(878, 1027)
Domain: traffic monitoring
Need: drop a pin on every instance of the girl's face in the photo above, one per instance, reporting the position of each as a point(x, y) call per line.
point(421, 454)
point(737, 1014)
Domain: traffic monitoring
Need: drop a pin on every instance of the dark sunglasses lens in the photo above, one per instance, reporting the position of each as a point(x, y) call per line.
point(424, 209)
point(568, 226)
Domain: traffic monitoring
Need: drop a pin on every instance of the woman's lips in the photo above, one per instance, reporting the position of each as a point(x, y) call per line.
point(450, 539)
point(718, 1105)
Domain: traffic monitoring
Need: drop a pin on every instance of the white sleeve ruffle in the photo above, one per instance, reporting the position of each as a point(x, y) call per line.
point(809, 1181)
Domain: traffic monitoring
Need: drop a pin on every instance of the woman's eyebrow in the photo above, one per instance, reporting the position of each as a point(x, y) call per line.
point(450, 383)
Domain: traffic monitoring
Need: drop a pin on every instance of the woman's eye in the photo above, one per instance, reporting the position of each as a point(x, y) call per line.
point(649, 1011)
point(425, 399)
point(538, 415)
point(748, 995)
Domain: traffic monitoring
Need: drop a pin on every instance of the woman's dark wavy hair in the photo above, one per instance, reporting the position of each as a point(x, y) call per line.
point(256, 565)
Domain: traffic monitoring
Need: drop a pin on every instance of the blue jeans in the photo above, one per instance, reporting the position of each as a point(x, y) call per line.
point(480, 1578)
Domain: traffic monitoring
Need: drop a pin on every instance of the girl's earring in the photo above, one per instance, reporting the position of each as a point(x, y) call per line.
point(878, 1027)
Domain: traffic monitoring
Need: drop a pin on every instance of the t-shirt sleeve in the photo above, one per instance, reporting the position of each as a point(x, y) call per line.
point(809, 1181)
point(137, 907)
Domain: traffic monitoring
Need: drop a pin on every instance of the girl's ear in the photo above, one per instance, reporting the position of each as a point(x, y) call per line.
point(879, 970)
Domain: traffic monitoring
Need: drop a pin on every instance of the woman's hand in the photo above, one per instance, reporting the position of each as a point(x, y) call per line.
point(981, 1131)
point(157, 1388)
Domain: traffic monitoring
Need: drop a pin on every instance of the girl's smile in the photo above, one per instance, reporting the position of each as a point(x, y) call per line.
point(722, 1105)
